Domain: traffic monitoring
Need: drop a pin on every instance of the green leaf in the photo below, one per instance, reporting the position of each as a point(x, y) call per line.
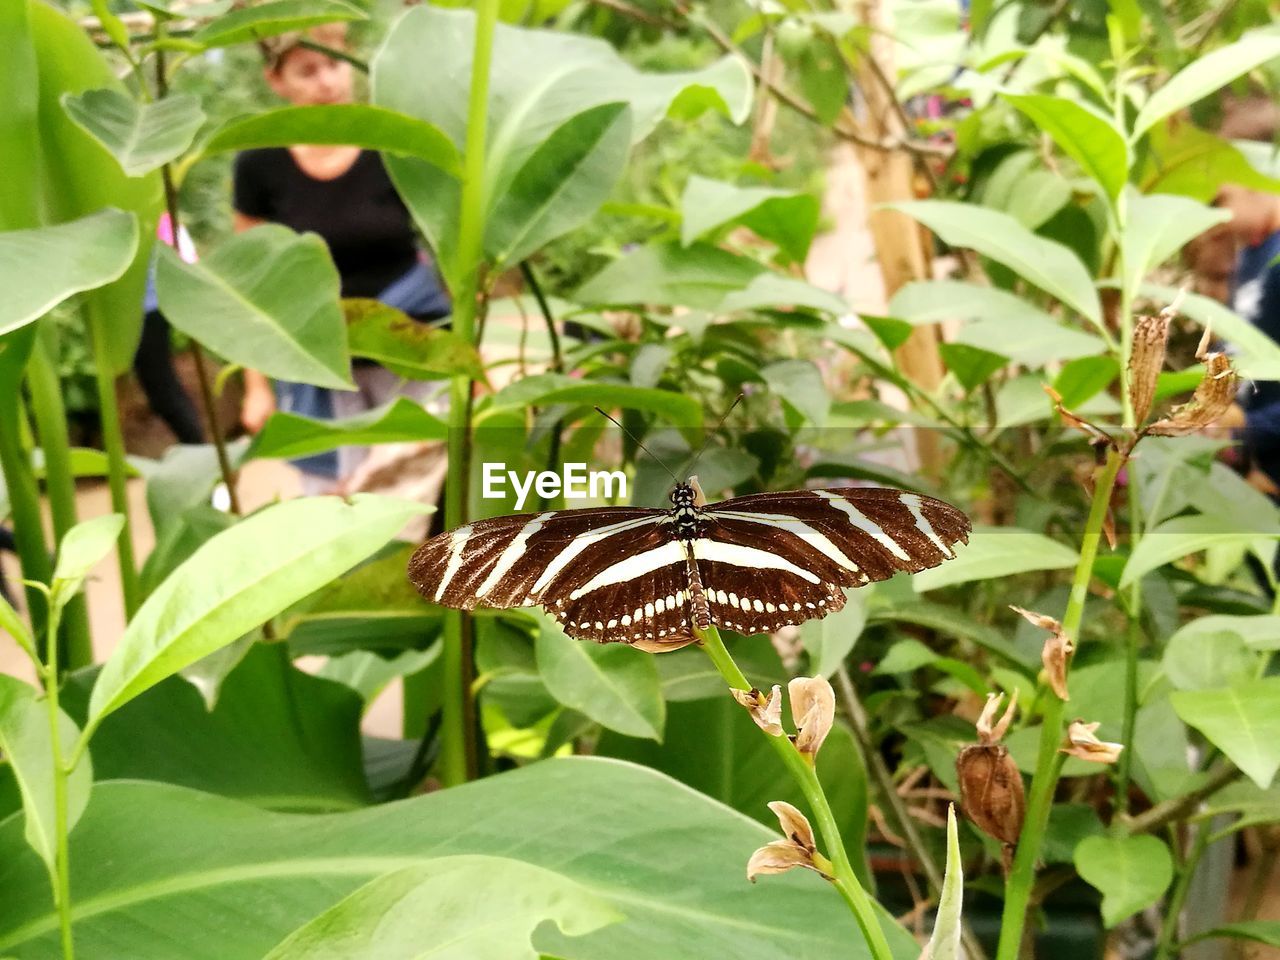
point(997, 552)
point(1082, 379)
point(830, 640)
point(80, 550)
point(270, 19)
point(547, 388)
point(1242, 721)
point(42, 267)
point(1200, 655)
point(562, 183)
point(1203, 76)
point(774, 290)
point(1259, 931)
point(189, 861)
point(1185, 160)
point(1083, 133)
point(972, 366)
point(26, 744)
point(1182, 536)
point(1131, 872)
point(1044, 264)
point(142, 136)
point(266, 299)
point(1157, 227)
point(292, 435)
point(407, 347)
point(454, 908)
point(239, 579)
point(276, 737)
point(347, 124)
point(612, 683)
point(668, 274)
point(944, 944)
point(787, 218)
point(798, 383)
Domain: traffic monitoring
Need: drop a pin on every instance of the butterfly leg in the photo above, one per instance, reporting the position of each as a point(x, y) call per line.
point(699, 609)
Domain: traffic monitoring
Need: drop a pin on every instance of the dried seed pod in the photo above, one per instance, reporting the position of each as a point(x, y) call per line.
point(766, 711)
point(1214, 396)
point(991, 793)
point(813, 706)
point(1146, 360)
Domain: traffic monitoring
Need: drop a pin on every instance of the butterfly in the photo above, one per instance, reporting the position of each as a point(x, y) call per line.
point(647, 577)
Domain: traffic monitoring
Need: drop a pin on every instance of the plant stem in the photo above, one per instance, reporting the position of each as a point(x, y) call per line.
point(458, 751)
point(1178, 899)
point(62, 858)
point(806, 777)
point(1178, 807)
point(1049, 760)
point(60, 482)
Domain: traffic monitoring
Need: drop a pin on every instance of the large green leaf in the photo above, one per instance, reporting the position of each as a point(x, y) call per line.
point(1158, 226)
point(407, 347)
point(798, 384)
point(671, 275)
point(547, 388)
point(614, 684)
point(266, 299)
point(354, 124)
point(1043, 263)
point(787, 218)
point(25, 740)
point(229, 881)
point(1242, 721)
point(400, 421)
point(1203, 76)
point(997, 552)
point(1131, 872)
point(829, 640)
point(1185, 535)
point(561, 185)
point(453, 908)
point(247, 24)
point(141, 135)
point(40, 268)
point(1191, 162)
point(1208, 653)
point(277, 737)
point(239, 579)
point(1086, 135)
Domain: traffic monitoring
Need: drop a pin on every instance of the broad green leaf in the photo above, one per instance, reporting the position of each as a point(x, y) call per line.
point(612, 683)
point(80, 550)
point(1021, 187)
point(266, 299)
point(787, 218)
point(1043, 263)
point(971, 366)
point(25, 742)
point(1157, 227)
point(998, 321)
point(353, 124)
point(238, 580)
point(773, 290)
point(276, 737)
point(997, 552)
point(1186, 160)
point(1242, 721)
point(1182, 536)
point(184, 477)
point(142, 135)
point(1131, 872)
point(944, 944)
point(671, 275)
point(1257, 356)
point(1203, 76)
point(1197, 657)
point(368, 674)
point(1082, 379)
point(547, 388)
point(247, 24)
point(453, 908)
point(188, 861)
point(40, 268)
point(400, 421)
point(830, 640)
point(562, 183)
point(1083, 133)
point(1259, 931)
point(407, 347)
point(798, 383)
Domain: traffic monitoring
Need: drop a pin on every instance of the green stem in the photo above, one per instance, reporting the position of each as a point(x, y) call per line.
point(60, 481)
point(113, 441)
point(1049, 759)
point(457, 754)
point(1178, 899)
point(62, 857)
point(806, 777)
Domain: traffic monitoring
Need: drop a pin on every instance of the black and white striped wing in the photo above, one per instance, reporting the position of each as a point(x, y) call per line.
point(773, 559)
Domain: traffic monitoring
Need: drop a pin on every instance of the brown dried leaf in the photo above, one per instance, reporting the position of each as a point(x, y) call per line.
point(1212, 399)
point(813, 706)
point(989, 729)
point(1082, 742)
point(1146, 360)
point(765, 711)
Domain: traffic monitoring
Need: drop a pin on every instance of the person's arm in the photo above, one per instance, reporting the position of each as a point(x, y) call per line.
point(259, 399)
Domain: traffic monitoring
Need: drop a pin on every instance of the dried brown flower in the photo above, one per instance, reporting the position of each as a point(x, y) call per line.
point(1212, 399)
point(991, 790)
point(1056, 653)
point(989, 729)
point(1146, 360)
point(765, 711)
point(798, 849)
point(813, 707)
point(1082, 742)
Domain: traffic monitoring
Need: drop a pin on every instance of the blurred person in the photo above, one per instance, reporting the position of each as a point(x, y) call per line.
point(343, 194)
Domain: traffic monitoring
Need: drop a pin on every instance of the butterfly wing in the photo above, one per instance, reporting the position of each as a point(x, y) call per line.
point(773, 559)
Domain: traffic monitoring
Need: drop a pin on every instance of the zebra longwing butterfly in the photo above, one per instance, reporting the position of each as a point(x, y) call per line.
point(645, 577)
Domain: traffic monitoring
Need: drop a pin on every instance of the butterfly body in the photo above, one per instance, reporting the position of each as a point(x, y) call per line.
point(647, 577)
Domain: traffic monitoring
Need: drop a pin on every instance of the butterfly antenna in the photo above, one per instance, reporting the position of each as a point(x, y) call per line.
point(707, 442)
point(656, 458)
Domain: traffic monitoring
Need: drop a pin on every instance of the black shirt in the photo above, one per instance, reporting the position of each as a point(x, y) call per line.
point(358, 214)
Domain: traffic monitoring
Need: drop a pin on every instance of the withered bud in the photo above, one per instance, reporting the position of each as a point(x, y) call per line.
point(797, 850)
point(990, 730)
point(1146, 360)
point(813, 707)
point(765, 711)
point(991, 793)
point(1096, 433)
point(1082, 742)
point(1056, 653)
point(1213, 397)
point(1043, 621)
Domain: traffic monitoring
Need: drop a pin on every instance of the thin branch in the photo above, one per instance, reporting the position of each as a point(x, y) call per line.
point(1179, 807)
